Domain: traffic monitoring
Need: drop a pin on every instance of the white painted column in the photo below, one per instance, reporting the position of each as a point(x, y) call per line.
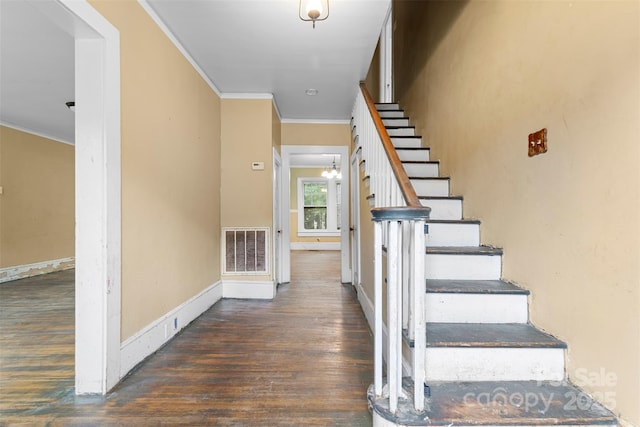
point(98, 230)
point(418, 312)
point(377, 309)
point(394, 315)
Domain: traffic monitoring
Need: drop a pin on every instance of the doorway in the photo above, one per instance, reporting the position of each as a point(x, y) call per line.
point(342, 161)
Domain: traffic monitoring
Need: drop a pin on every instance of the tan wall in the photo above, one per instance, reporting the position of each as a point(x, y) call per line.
point(296, 173)
point(170, 171)
point(373, 76)
point(247, 195)
point(316, 134)
point(37, 207)
point(476, 78)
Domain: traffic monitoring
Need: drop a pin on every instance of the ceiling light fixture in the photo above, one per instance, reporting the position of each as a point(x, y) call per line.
point(314, 10)
point(71, 105)
point(333, 173)
point(311, 92)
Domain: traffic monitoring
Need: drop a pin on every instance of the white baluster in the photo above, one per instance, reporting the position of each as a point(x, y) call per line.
point(418, 309)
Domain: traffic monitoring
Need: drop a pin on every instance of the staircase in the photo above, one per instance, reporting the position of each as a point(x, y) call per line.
point(485, 363)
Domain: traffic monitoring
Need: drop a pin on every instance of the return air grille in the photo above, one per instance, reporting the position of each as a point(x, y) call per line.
point(245, 250)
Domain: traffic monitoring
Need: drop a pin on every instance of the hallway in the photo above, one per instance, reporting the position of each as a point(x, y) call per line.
point(304, 359)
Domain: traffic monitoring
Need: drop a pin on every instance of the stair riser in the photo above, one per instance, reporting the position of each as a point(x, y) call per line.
point(463, 267)
point(494, 364)
point(422, 170)
point(391, 114)
point(476, 308)
point(444, 208)
point(413, 155)
point(396, 121)
point(401, 132)
point(387, 107)
point(431, 187)
point(407, 142)
point(463, 234)
point(380, 421)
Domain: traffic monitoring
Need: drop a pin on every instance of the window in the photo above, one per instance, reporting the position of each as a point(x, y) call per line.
point(318, 207)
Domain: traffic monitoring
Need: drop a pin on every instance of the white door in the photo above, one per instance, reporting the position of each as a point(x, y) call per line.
point(355, 221)
point(386, 59)
point(277, 218)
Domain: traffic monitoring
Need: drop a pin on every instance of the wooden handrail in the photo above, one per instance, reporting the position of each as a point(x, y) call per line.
point(409, 194)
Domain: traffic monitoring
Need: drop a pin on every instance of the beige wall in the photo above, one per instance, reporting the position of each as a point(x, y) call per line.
point(294, 174)
point(372, 80)
point(478, 77)
point(247, 137)
point(37, 207)
point(170, 171)
point(316, 134)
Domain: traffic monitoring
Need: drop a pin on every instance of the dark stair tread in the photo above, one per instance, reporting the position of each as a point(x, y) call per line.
point(419, 162)
point(463, 250)
point(474, 287)
point(409, 148)
point(504, 403)
point(453, 221)
point(489, 335)
point(401, 127)
point(439, 178)
point(440, 197)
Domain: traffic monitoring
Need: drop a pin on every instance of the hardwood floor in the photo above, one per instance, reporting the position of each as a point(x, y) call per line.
point(304, 359)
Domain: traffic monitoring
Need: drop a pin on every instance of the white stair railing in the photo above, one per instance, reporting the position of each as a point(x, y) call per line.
point(399, 220)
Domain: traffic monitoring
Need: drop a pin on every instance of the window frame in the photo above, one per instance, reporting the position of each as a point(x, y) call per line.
point(333, 221)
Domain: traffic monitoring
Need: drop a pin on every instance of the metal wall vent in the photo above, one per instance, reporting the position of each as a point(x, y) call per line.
point(245, 250)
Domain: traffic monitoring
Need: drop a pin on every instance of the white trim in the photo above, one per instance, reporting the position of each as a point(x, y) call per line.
point(275, 105)
point(153, 336)
point(246, 95)
point(386, 58)
point(343, 151)
point(331, 206)
point(316, 121)
point(315, 246)
point(366, 304)
point(277, 216)
point(35, 269)
point(356, 256)
point(245, 289)
point(32, 132)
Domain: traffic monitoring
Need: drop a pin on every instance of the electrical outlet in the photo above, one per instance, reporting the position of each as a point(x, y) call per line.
point(538, 142)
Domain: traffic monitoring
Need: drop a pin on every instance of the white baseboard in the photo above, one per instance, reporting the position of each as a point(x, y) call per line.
point(367, 308)
point(315, 246)
point(28, 270)
point(149, 339)
point(366, 304)
point(245, 289)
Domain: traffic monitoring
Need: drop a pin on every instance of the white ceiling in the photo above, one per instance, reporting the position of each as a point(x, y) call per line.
point(36, 72)
point(243, 46)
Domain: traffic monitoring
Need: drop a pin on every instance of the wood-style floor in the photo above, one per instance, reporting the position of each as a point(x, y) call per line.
point(304, 359)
